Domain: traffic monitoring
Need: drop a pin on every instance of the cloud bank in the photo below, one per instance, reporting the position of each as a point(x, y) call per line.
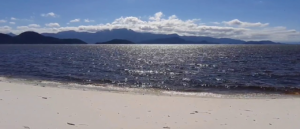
point(237, 22)
point(34, 25)
point(161, 24)
point(52, 25)
point(5, 29)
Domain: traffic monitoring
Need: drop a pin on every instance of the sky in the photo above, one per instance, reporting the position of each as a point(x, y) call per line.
point(276, 20)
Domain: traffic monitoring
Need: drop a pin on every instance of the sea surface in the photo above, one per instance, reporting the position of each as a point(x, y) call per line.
point(184, 68)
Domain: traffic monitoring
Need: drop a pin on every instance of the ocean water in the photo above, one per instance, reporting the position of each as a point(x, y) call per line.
point(185, 68)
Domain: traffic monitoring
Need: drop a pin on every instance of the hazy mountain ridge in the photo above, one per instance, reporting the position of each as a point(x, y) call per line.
point(107, 35)
point(138, 37)
point(173, 40)
point(131, 35)
point(12, 34)
point(117, 41)
point(261, 42)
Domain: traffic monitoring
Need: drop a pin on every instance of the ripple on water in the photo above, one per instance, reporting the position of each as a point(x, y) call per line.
point(231, 68)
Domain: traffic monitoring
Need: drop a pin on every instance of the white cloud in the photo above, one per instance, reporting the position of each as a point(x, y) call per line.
point(12, 23)
point(12, 18)
point(275, 33)
point(237, 22)
point(173, 17)
point(5, 29)
point(157, 16)
point(23, 28)
point(52, 25)
point(75, 20)
point(88, 20)
point(34, 25)
point(51, 14)
point(191, 27)
point(2, 21)
point(30, 27)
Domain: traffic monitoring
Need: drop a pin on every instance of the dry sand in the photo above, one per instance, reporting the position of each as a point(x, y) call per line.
point(23, 106)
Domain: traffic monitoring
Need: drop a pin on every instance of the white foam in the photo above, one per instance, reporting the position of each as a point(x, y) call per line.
point(51, 82)
point(200, 94)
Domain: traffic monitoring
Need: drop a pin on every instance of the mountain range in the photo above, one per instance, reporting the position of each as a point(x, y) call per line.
point(115, 36)
point(138, 37)
point(35, 38)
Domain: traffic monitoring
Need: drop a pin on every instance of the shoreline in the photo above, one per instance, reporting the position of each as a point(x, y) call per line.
point(37, 107)
point(235, 94)
point(148, 91)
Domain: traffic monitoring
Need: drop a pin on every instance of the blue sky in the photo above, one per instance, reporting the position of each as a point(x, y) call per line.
point(251, 15)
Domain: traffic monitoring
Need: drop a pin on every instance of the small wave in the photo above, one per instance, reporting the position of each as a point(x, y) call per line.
point(215, 93)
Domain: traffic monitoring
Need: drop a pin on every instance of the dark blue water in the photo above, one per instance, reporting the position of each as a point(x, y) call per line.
point(211, 68)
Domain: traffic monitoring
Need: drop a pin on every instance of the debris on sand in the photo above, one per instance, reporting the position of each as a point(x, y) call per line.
point(26, 127)
point(70, 124)
point(44, 97)
point(166, 127)
point(194, 112)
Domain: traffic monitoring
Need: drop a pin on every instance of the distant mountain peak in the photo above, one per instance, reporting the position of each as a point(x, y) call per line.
point(117, 41)
point(29, 33)
point(11, 34)
point(121, 29)
point(69, 31)
point(170, 40)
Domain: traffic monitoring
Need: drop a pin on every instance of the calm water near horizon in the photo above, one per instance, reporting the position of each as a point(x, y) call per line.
point(197, 68)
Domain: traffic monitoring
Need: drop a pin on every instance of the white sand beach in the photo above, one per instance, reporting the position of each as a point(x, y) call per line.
point(24, 106)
